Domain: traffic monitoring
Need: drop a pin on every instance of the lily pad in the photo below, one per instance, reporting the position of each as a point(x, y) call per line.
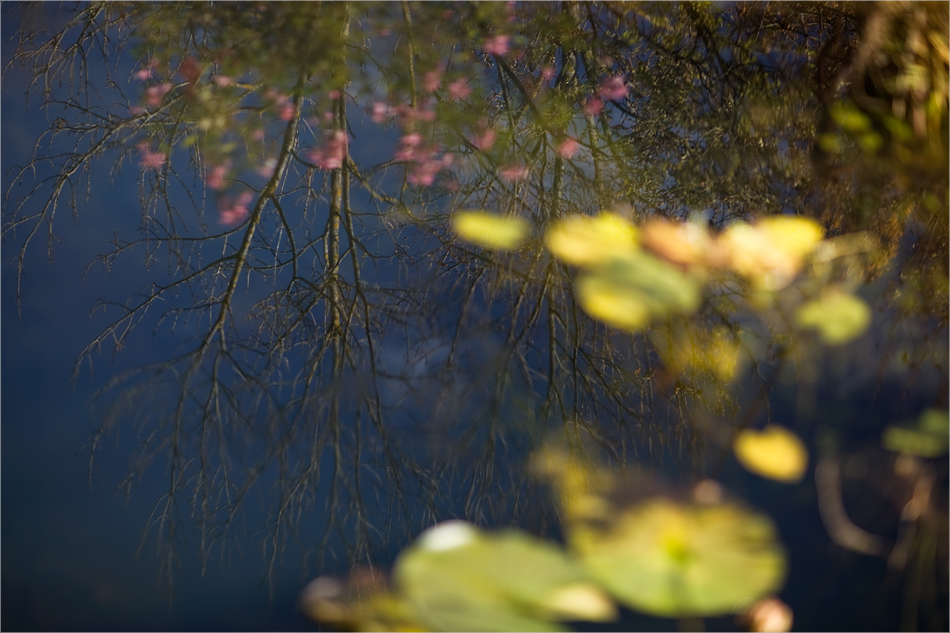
point(679, 560)
point(929, 439)
point(772, 252)
point(588, 241)
point(774, 453)
point(460, 578)
point(630, 290)
point(502, 233)
point(362, 602)
point(838, 317)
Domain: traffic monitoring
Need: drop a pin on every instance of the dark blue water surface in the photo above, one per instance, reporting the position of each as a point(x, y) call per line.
point(81, 549)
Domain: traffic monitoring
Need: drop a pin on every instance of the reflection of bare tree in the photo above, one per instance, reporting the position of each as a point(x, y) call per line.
point(342, 347)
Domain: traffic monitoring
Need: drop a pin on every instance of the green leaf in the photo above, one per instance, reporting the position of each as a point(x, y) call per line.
point(629, 290)
point(837, 316)
point(929, 439)
point(490, 231)
point(459, 578)
point(680, 560)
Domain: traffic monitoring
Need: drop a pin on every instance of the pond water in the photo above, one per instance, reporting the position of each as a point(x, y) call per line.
point(302, 354)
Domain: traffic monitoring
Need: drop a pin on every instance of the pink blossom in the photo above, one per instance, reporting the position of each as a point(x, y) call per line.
point(513, 173)
point(215, 179)
point(258, 135)
point(155, 94)
point(233, 212)
point(332, 156)
point(459, 89)
point(447, 159)
point(380, 112)
point(408, 147)
point(567, 148)
point(485, 141)
point(593, 106)
point(497, 45)
point(136, 110)
point(427, 115)
point(266, 169)
point(189, 69)
point(613, 88)
point(548, 73)
point(333, 95)
point(424, 174)
point(223, 80)
point(144, 73)
point(327, 117)
point(432, 80)
point(149, 159)
point(286, 112)
point(383, 32)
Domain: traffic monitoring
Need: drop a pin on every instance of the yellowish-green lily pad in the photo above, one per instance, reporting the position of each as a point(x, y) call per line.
point(838, 317)
point(673, 559)
point(774, 453)
point(502, 233)
point(460, 578)
point(929, 438)
point(630, 290)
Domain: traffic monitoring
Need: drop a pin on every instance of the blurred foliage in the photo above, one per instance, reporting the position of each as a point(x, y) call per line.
point(678, 204)
point(651, 552)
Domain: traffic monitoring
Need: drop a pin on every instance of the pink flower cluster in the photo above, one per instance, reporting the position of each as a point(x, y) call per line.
point(613, 88)
point(149, 159)
point(285, 107)
point(145, 73)
point(485, 140)
point(425, 163)
point(215, 179)
point(514, 173)
point(332, 155)
point(232, 212)
point(459, 89)
point(497, 45)
point(567, 148)
point(155, 94)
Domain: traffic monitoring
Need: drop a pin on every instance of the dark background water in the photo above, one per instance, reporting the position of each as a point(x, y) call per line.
point(73, 554)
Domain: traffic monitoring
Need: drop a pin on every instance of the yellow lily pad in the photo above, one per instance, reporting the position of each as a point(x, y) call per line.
point(770, 253)
point(490, 231)
point(582, 240)
point(774, 453)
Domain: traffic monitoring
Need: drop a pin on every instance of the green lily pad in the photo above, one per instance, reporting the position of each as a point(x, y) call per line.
point(837, 316)
point(459, 578)
point(680, 560)
point(929, 439)
point(628, 291)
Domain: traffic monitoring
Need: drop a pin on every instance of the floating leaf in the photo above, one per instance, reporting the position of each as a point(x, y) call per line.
point(770, 253)
point(678, 560)
point(684, 243)
point(490, 231)
point(459, 578)
point(634, 288)
point(775, 453)
point(585, 241)
point(929, 439)
point(363, 602)
point(837, 316)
